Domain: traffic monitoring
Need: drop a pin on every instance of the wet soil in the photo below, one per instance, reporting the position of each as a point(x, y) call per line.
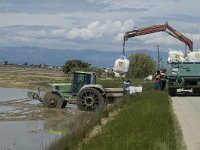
point(25, 124)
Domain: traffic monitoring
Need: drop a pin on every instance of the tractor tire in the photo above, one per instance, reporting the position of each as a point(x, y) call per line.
point(171, 91)
point(52, 100)
point(90, 99)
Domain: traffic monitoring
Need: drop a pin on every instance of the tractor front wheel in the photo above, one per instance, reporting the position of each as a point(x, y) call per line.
point(52, 100)
point(90, 99)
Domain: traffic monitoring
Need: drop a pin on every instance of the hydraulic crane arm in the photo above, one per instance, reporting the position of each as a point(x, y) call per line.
point(158, 28)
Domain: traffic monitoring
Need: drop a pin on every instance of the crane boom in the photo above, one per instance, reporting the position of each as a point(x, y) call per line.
point(159, 28)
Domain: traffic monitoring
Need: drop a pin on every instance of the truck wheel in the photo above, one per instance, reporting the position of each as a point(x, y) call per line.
point(90, 99)
point(52, 100)
point(196, 90)
point(171, 91)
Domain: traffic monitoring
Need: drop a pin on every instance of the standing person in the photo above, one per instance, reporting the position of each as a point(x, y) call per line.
point(163, 79)
point(157, 80)
point(127, 87)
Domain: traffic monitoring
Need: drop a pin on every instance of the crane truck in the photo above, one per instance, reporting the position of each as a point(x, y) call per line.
point(181, 75)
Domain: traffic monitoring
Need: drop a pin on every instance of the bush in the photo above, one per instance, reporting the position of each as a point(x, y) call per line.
point(141, 66)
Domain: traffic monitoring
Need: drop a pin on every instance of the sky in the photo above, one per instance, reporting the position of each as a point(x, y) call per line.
point(95, 24)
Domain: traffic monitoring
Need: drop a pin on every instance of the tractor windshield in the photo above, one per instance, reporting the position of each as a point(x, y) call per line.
point(79, 80)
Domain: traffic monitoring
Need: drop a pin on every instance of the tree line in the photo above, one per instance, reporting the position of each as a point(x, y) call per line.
point(141, 65)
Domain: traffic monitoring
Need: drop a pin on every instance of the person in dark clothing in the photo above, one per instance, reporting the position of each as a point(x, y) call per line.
point(157, 80)
point(163, 79)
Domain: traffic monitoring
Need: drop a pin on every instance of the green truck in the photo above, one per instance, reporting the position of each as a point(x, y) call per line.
point(183, 75)
point(83, 91)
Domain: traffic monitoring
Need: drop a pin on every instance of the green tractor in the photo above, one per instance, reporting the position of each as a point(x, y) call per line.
point(83, 91)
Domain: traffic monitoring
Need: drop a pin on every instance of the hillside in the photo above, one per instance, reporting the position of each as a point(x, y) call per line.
point(38, 55)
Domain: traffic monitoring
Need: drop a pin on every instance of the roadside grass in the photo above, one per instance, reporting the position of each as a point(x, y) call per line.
point(73, 139)
point(146, 121)
point(83, 125)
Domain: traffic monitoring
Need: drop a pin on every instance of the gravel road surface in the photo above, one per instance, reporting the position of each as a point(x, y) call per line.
point(187, 109)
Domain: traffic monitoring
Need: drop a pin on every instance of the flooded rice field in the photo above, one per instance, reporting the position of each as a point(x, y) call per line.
point(25, 124)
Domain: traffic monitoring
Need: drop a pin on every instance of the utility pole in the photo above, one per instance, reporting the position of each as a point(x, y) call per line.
point(123, 52)
point(158, 56)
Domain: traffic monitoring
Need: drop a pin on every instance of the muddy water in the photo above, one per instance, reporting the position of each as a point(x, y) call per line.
point(12, 94)
point(25, 124)
point(24, 135)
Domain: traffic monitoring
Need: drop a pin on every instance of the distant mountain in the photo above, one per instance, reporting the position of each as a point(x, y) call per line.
point(54, 57)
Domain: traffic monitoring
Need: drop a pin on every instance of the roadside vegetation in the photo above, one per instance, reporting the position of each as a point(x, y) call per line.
point(145, 121)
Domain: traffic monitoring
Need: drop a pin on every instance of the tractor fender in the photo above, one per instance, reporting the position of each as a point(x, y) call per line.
point(56, 92)
point(97, 87)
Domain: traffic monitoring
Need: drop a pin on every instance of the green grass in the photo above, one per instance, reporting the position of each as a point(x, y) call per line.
point(84, 124)
point(146, 121)
point(109, 83)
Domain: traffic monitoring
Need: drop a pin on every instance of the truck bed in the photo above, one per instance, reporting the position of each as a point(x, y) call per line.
point(185, 75)
point(114, 92)
point(184, 69)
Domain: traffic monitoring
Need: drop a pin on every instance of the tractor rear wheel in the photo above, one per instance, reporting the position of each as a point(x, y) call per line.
point(90, 99)
point(52, 100)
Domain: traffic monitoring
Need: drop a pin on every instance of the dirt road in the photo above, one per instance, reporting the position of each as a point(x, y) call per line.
point(187, 109)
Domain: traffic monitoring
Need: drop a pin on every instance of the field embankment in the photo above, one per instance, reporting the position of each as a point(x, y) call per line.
point(29, 77)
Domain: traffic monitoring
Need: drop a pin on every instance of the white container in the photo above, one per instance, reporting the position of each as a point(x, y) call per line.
point(135, 89)
point(121, 65)
point(176, 56)
point(194, 56)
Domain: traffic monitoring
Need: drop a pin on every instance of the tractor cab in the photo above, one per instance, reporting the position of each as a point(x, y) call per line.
point(80, 79)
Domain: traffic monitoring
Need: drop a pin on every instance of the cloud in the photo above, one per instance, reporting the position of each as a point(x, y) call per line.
point(45, 6)
point(125, 4)
point(75, 21)
point(194, 37)
point(107, 33)
point(97, 29)
point(165, 40)
point(4, 5)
